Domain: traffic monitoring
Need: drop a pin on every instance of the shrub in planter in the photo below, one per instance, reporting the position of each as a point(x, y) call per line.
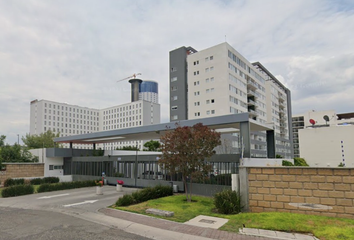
point(287, 163)
point(17, 190)
point(49, 187)
point(227, 202)
point(300, 162)
point(126, 200)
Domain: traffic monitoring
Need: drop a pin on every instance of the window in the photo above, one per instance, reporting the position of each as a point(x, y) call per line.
point(207, 80)
point(174, 107)
point(174, 98)
point(211, 89)
point(197, 114)
point(212, 111)
point(174, 117)
point(174, 79)
point(211, 69)
point(212, 100)
point(207, 70)
point(207, 101)
point(212, 79)
point(208, 90)
point(208, 112)
point(173, 69)
point(196, 83)
point(196, 62)
point(196, 73)
point(211, 58)
point(196, 103)
point(174, 88)
point(196, 93)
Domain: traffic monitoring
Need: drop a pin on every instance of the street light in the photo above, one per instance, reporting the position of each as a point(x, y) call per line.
point(18, 139)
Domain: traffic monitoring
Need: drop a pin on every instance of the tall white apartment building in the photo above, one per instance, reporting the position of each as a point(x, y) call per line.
point(73, 120)
point(218, 81)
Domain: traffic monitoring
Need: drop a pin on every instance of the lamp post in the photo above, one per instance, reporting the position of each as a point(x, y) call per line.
point(136, 165)
point(18, 139)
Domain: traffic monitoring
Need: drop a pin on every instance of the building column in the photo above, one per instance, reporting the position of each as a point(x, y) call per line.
point(270, 144)
point(245, 139)
point(71, 144)
point(94, 146)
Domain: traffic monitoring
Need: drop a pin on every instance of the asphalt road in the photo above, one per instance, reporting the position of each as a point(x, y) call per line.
point(52, 215)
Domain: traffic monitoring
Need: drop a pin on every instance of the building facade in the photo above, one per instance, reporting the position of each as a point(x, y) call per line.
point(219, 81)
point(324, 138)
point(70, 120)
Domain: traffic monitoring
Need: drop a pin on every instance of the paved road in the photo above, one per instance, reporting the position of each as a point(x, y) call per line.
point(43, 225)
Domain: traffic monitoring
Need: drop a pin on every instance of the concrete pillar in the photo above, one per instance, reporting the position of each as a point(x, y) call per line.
point(135, 84)
point(270, 144)
point(94, 145)
point(235, 182)
point(244, 189)
point(71, 144)
point(245, 139)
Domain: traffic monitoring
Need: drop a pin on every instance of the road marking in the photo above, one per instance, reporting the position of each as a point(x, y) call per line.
point(80, 203)
point(53, 196)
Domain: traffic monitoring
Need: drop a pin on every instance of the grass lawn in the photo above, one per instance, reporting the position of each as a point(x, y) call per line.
point(324, 228)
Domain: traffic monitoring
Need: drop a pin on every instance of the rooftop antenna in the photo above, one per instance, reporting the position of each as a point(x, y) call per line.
point(326, 118)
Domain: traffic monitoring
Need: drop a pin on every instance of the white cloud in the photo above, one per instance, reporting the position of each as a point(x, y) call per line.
point(75, 51)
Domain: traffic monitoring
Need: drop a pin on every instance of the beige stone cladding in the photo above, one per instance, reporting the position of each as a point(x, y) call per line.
point(22, 170)
point(318, 191)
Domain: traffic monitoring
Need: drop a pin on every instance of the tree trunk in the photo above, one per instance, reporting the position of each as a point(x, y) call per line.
point(190, 189)
point(185, 187)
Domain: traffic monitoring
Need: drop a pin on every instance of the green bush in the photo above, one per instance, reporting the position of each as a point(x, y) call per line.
point(49, 187)
point(17, 190)
point(147, 194)
point(37, 181)
point(126, 200)
point(12, 182)
point(287, 163)
point(51, 180)
point(227, 202)
point(300, 162)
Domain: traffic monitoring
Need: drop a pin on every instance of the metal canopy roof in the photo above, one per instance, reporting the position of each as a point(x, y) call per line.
point(223, 124)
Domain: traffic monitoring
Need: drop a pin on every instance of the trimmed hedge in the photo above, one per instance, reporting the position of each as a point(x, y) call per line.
point(49, 187)
point(227, 202)
point(37, 181)
point(12, 182)
point(144, 195)
point(17, 190)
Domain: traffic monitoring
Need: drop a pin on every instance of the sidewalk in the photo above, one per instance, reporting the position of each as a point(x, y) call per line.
point(207, 233)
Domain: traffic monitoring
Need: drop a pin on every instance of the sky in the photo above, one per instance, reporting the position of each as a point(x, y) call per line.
point(74, 51)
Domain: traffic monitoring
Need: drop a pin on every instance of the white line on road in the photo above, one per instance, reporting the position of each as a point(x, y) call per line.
point(80, 203)
point(53, 196)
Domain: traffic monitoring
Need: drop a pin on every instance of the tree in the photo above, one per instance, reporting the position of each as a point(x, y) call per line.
point(43, 140)
point(185, 149)
point(2, 140)
point(153, 146)
point(16, 153)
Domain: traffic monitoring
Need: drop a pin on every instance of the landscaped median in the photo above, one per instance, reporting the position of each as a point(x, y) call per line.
point(324, 228)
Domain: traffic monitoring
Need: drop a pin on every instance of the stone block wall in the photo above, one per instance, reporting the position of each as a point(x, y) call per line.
point(319, 191)
point(22, 170)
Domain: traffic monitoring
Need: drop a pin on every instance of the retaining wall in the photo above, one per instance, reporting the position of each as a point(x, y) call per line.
point(318, 191)
point(22, 170)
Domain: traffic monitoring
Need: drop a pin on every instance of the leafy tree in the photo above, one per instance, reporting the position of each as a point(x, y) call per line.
point(43, 140)
point(185, 149)
point(2, 140)
point(16, 153)
point(153, 146)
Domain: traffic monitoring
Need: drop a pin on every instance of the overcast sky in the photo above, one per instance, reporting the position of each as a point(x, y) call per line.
point(74, 51)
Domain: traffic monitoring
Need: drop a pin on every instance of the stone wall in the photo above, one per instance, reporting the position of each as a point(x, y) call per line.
point(319, 191)
point(22, 170)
